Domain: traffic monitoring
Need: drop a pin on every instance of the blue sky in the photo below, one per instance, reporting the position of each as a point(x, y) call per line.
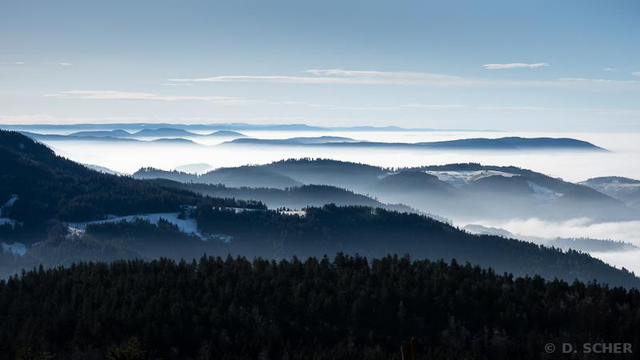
point(507, 65)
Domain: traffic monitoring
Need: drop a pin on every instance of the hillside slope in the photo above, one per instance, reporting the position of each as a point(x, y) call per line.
point(48, 195)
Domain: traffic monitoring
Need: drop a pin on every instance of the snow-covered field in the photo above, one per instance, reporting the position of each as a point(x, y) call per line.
point(462, 178)
point(543, 193)
point(6, 206)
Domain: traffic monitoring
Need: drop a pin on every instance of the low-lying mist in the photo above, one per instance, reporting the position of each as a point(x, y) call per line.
point(127, 157)
point(621, 259)
point(627, 231)
point(575, 228)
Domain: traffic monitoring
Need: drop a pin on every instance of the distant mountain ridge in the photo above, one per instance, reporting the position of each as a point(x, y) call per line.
point(621, 188)
point(297, 197)
point(506, 143)
point(452, 191)
point(107, 138)
point(105, 135)
point(52, 192)
point(320, 140)
point(239, 139)
point(244, 176)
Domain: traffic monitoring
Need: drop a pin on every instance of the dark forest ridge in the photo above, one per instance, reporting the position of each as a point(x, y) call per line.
point(320, 308)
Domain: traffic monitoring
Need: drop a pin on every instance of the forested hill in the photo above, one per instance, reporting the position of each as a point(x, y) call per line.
point(51, 187)
point(341, 309)
point(293, 198)
point(378, 232)
point(471, 192)
point(48, 194)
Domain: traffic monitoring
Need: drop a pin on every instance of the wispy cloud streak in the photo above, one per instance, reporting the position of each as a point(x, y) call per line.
point(368, 77)
point(125, 95)
point(337, 76)
point(514, 66)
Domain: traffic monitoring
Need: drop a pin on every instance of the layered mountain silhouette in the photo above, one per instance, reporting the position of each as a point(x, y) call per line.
point(621, 188)
point(504, 144)
point(50, 195)
point(462, 191)
point(239, 139)
point(123, 135)
point(298, 197)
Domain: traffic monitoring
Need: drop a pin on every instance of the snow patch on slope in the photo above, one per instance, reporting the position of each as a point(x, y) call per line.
point(616, 186)
point(189, 226)
point(5, 207)
point(8, 204)
point(542, 193)
point(462, 178)
point(8, 221)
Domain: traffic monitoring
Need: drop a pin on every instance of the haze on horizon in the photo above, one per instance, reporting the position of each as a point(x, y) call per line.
point(454, 65)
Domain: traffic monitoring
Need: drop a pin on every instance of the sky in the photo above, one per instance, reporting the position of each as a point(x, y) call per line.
point(569, 65)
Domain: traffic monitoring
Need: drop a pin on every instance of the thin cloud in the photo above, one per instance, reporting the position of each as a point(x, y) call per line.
point(337, 76)
point(599, 81)
point(541, 108)
point(610, 69)
point(49, 119)
point(514, 66)
point(44, 63)
point(434, 106)
point(374, 107)
point(124, 95)
point(636, 73)
point(367, 77)
point(177, 84)
point(528, 108)
point(58, 63)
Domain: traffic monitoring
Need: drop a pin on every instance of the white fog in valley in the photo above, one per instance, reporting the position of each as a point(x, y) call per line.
point(629, 260)
point(573, 166)
point(628, 231)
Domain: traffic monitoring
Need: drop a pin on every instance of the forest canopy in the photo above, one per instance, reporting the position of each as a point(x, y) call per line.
point(341, 308)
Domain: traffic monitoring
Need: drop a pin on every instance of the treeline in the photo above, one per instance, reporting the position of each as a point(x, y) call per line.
point(376, 232)
point(297, 197)
point(257, 232)
point(50, 187)
point(345, 308)
point(106, 242)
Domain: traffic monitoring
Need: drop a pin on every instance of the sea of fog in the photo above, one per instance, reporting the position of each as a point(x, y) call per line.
point(571, 166)
point(622, 160)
